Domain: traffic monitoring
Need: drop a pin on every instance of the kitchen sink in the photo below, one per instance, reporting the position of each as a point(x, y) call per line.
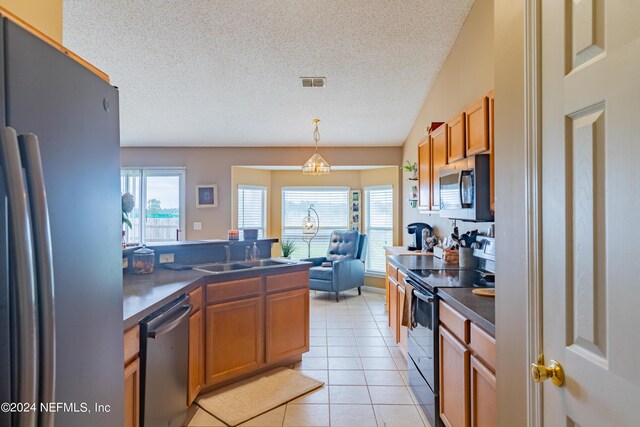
point(221, 267)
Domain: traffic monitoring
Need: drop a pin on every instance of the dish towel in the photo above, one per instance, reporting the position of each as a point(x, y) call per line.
point(408, 308)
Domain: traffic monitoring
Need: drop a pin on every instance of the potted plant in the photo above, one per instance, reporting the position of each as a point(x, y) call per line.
point(288, 247)
point(412, 168)
point(128, 203)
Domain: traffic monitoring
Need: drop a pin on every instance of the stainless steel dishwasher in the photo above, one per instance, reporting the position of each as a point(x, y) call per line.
point(164, 339)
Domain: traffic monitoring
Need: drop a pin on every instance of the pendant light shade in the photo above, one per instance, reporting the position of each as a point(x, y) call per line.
point(316, 165)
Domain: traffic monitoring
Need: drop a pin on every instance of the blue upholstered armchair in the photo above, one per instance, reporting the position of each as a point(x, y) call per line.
point(347, 252)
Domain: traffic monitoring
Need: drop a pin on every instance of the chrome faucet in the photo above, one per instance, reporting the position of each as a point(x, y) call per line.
point(246, 253)
point(227, 252)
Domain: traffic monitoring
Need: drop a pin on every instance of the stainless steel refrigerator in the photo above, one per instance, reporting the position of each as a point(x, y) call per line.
point(61, 338)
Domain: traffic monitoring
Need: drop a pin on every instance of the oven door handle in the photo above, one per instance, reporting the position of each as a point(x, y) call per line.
point(426, 298)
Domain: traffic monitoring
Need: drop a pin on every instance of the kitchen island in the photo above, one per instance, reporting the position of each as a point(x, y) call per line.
point(242, 322)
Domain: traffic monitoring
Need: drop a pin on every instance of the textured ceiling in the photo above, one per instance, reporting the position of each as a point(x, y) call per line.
point(226, 73)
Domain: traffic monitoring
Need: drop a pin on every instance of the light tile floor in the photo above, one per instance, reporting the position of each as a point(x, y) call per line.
point(364, 371)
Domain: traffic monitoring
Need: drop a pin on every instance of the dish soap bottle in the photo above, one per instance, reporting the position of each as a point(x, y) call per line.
point(255, 253)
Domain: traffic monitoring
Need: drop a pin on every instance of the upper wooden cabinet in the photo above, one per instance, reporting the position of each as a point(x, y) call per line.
point(491, 97)
point(457, 132)
point(439, 143)
point(477, 126)
point(424, 174)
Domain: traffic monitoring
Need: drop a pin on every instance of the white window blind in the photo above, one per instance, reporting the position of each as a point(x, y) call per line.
point(252, 208)
point(378, 225)
point(332, 205)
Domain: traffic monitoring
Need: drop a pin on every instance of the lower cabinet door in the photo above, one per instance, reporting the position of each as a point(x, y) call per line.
point(287, 324)
point(196, 356)
point(234, 342)
point(403, 331)
point(132, 394)
point(454, 380)
point(483, 395)
point(393, 308)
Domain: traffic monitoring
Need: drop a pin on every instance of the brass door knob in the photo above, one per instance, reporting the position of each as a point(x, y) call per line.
point(554, 371)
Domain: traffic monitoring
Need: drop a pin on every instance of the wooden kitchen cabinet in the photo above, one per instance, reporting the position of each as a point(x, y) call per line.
point(454, 380)
point(456, 142)
point(424, 174)
point(491, 98)
point(393, 308)
point(132, 377)
point(482, 394)
point(439, 143)
point(403, 331)
point(196, 347)
point(287, 324)
point(234, 338)
point(477, 127)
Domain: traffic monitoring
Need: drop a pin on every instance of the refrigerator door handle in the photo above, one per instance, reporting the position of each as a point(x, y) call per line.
point(32, 162)
point(22, 279)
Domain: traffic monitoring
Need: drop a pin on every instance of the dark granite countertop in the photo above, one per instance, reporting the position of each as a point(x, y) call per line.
point(479, 309)
point(144, 294)
point(191, 243)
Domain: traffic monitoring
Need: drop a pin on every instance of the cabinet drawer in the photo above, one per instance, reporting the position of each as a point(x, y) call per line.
point(224, 291)
point(195, 299)
point(131, 344)
point(401, 276)
point(455, 322)
point(484, 346)
point(392, 271)
point(281, 282)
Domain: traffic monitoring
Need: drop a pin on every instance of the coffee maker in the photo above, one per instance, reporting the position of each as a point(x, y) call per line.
point(415, 235)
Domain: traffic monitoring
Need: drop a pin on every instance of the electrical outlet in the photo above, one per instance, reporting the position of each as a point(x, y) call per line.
point(165, 258)
point(125, 262)
point(197, 226)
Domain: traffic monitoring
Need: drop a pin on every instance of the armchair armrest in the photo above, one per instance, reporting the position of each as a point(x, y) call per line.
point(347, 274)
point(316, 261)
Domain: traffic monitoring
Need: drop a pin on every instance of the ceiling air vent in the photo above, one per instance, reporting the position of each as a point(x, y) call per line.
point(313, 81)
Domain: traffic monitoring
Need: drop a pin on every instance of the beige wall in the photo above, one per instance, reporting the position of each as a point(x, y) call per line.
point(467, 74)
point(45, 15)
point(214, 166)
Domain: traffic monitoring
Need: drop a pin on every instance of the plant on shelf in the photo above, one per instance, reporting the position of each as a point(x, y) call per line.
point(288, 247)
point(128, 203)
point(412, 168)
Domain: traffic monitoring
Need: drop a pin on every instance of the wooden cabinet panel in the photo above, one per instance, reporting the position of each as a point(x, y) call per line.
point(281, 282)
point(439, 143)
point(477, 127)
point(454, 321)
point(131, 344)
point(456, 130)
point(424, 174)
point(403, 331)
point(392, 271)
point(195, 299)
point(287, 324)
point(454, 381)
point(482, 395)
point(234, 339)
point(393, 308)
point(225, 291)
point(483, 345)
point(491, 97)
point(132, 394)
point(196, 356)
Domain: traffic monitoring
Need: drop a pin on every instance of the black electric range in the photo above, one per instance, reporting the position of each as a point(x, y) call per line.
point(451, 278)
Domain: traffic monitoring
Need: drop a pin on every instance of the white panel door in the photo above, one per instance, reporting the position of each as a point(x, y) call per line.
point(591, 201)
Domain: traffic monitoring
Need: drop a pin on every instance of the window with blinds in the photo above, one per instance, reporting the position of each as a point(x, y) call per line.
point(252, 209)
point(378, 225)
point(332, 205)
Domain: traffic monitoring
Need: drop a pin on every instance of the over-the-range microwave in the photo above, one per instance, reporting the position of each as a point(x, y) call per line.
point(465, 189)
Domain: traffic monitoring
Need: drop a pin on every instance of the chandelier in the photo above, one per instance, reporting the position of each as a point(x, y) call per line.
point(316, 165)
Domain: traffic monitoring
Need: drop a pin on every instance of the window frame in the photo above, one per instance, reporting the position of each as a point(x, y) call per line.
point(265, 206)
point(366, 227)
point(144, 173)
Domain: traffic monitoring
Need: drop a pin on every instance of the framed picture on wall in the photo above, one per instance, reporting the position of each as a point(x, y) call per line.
point(354, 210)
point(207, 196)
